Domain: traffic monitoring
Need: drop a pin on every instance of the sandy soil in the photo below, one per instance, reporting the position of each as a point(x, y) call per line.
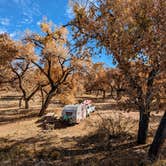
point(71, 145)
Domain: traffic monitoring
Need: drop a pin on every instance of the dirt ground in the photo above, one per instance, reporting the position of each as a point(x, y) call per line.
point(24, 141)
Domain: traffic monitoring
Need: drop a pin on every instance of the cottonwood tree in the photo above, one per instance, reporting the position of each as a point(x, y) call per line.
point(78, 83)
point(117, 83)
point(56, 60)
point(133, 32)
point(100, 81)
point(74, 86)
point(27, 81)
point(8, 51)
point(106, 80)
point(16, 67)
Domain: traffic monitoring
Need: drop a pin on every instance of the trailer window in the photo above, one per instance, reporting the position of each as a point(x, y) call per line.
point(69, 113)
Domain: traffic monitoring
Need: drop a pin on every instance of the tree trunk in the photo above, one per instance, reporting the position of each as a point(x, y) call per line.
point(117, 94)
point(158, 140)
point(143, 127)
point(97, 93)
point(46, 102)
point(26, 103)
point(103, 94)
point(111, 93)
point(20, 102)
point(42, 96)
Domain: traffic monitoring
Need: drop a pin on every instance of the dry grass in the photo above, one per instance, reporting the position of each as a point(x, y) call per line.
point(107, 137)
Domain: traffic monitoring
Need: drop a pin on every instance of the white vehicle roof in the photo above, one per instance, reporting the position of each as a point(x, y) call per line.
point(71, 107)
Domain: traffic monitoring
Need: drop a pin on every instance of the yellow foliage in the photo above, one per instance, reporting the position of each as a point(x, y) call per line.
point(67, 98)
point(45, 27)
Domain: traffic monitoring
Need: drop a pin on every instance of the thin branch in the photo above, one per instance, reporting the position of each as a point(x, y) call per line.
point(41, 69)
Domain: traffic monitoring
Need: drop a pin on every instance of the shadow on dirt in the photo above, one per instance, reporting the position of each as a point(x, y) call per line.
point(55, 124)
point(9, 98)
point(15, 115)
point(88, 150)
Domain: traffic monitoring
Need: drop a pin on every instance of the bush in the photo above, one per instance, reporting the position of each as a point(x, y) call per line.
point(115, 126)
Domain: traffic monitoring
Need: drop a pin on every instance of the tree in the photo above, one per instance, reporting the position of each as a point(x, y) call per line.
point(56, 60)
point(15, 62)
point(118, 84)
point(133, 33)
point(27, 81)
point(158, 140)
point(100, 81)
point(9, 51)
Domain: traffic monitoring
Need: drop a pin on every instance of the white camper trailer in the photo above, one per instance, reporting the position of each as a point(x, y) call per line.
point(74, 113)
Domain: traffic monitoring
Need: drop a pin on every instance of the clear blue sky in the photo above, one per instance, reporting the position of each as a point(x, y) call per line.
point(16, 16)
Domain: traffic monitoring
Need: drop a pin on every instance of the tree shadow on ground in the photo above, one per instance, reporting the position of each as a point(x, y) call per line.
point(93, 98)
point(10, 98)
point(126, 153)
point(19, 152)
point(120, 153)
point(9, 101)
point(7, 105)
point(88, 151)
point(56, 124)
point(11, 111)
point(15, 115)
point(107, 107)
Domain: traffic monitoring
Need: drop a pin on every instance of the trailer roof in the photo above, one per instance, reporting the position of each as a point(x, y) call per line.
point(71, 107)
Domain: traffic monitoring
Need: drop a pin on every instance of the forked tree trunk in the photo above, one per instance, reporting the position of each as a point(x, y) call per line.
point(26, 103)
point(143, 127)
point(158, 140)
point(46, 102)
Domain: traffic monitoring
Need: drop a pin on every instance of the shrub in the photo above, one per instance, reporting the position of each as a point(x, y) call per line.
point(115, 126)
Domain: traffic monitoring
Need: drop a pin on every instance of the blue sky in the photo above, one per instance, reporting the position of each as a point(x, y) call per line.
point(16, 16)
